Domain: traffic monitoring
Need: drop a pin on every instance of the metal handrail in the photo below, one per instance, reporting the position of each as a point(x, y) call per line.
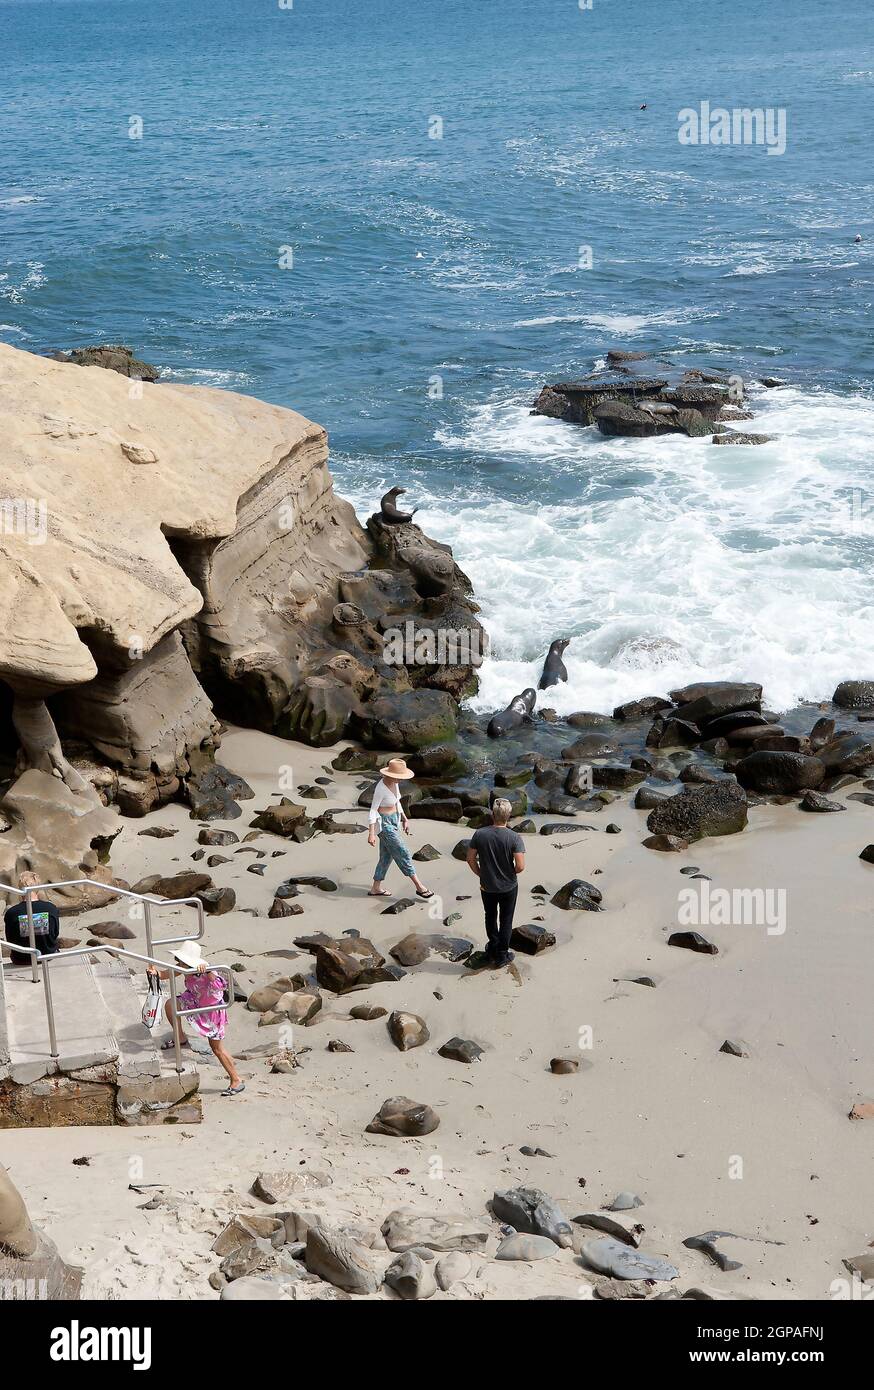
point(38, 958)
point(149, 900)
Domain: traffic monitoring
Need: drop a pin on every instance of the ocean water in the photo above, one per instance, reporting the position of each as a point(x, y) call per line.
point(286, 226)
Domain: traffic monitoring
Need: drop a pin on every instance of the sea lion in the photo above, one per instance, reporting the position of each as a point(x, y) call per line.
point(518, 712)
point(389, 512)
point(554, 669)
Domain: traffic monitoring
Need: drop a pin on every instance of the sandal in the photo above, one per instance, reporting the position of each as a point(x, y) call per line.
point(428, 893)
point(168, 1043)
point(234, 1090)
point(383, 893)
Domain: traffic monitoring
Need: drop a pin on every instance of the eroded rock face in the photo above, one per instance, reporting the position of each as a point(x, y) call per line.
point(27, 1257)
point(166, 549)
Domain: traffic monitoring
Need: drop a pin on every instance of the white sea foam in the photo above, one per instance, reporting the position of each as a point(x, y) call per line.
point(674, 560)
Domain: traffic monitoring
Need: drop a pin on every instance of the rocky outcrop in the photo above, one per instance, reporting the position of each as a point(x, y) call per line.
point(170, 554)
point(30, 1266)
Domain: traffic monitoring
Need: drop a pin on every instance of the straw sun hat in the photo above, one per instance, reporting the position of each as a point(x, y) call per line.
point(397, 769)
point(189, 954)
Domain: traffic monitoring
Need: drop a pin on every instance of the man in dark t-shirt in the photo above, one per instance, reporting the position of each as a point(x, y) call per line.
point(46, 923)
point(497, 856)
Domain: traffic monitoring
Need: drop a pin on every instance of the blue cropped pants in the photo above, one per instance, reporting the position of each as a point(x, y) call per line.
point(392, 848)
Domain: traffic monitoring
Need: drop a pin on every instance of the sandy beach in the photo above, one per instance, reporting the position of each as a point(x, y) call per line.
point(760, 1146)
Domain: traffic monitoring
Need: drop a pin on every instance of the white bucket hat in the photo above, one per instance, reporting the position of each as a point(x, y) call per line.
point(189, 954)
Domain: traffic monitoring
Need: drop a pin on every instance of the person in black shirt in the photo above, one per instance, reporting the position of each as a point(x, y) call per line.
point(46, 923)
point(497, 856)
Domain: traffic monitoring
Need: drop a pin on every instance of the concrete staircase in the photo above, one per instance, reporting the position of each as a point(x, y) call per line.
point(109, 1069)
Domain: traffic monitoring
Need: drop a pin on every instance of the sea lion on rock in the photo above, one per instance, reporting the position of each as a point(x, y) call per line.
point(554, 669)
point(389, 511)
point(518, 712)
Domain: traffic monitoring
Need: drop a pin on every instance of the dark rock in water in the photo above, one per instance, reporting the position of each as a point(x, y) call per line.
point(693, 774)
point(635, 710)
point(822, 733)
point(590, 746)
point(288, 887)
point(615, 357)
point(776, 773)
point(426, 854)
point(771, 382)
point(725, 724)
point(461, 1050)
point(673, 733)
point(701, 811)
point(407, 1030)
point(402, 1118)
point(847, 752)
point(784, 743)
point(459, 851)
point(813, 801)
point(617, 776)
point(530, 1210)
point(531, 939)
point(588, 719)
point(439, 760)
point(576, 401)
point(716, 747)
point(868, 854)
point(577, 896)
point(739, 437)
point(693, 941)
point(415, 948)
point(578, 781)
point(626, 420)
point(647, 798)
point(614, 1258)
point(706, 1243)
point(446, 808)
point(735, 1048)
point(854, 695)
point(114, 357)
point(564, 1066)
point(706, 700)
point(668, 844)
point(557, 804)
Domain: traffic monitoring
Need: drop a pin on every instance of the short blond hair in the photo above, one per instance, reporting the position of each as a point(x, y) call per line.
point(502, 810)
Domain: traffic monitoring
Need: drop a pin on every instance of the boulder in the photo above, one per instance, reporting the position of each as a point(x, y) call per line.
point(776, 774)
point(406, 1229)
point(577, 896)
point(461, 1050)
point(407, 1030)
point(530, 938)
point(417, 947)
point(697, 812)
point(408, 721)
point(341, 1261)
point(411, 1277)
point(530, 1210)
point(620, 1261)
point(402, 1118)
point(526, 1247)
point(854, 695)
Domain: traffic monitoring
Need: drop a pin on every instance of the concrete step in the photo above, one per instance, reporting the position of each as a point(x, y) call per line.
point(82, 1021)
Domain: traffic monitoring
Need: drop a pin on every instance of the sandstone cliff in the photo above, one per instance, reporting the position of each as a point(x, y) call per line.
point(170, 554)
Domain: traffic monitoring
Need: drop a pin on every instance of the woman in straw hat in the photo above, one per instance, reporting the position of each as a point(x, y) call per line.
point(387, 820)
point(204, 987)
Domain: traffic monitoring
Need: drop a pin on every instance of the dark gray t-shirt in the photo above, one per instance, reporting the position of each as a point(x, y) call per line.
point(496, 845)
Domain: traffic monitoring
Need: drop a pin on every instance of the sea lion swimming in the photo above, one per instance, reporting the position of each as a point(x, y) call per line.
point(554, 669)
point(388, 510)
point(518, 712)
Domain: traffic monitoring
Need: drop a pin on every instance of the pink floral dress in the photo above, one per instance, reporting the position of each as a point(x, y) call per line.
point(200, 991)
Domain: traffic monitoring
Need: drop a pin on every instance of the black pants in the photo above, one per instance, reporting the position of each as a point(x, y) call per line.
point(499, 908)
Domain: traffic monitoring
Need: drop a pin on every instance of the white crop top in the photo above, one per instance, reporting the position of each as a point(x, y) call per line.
point(382, 795)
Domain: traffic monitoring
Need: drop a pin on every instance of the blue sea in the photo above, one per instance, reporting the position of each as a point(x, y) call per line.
point(402, 218)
